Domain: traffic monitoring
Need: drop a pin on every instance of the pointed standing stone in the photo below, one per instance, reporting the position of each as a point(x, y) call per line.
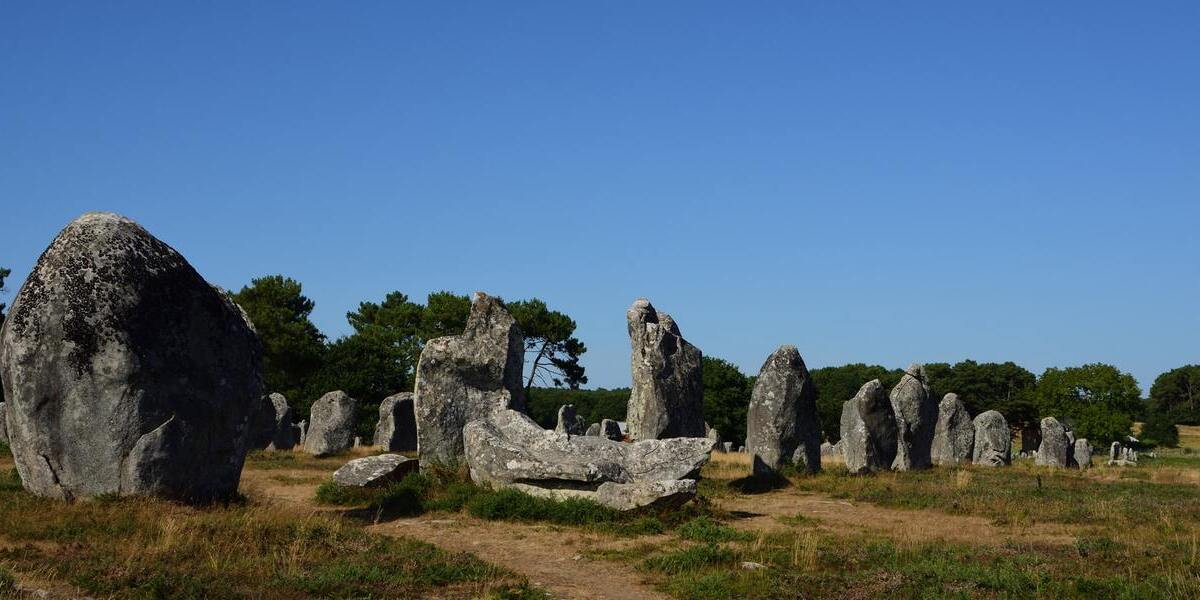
point(332, 427)
point(667, 397)
point(913, 402)
point(397, 427)
point(782, 420)
point(568, 421)
point(868, 430)
point(993, 440)
point(954, 435)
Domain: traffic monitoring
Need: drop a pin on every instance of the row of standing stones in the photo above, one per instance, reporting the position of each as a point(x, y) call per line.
point(113, 326)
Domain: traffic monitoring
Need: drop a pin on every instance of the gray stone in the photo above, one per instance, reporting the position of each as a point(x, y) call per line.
point(593, 430)
point(397, 426)
point(954, 435)
point(728, 446)
point(741, 449)
point(782, 420)
point(125, 372)
point(612, 430)
point(374, 471)
point(508, 449)
point(667, 397)
point(465, 377)
point(3, 426)
point(1053, 449)
point(714, 435)
point(917, 414)
point(1071, 464)
point(868, 430)
point(827, 449)
point(1114, 451)
point(993, 440)
point(569, 421)
point(283, 433)
point(1082, 452)
point(332, 424)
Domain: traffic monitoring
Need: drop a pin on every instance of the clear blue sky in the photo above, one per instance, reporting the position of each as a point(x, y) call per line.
point(879, 182)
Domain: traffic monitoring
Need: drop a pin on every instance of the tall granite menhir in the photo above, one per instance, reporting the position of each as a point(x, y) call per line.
point(461, 378)
point(782, 423)
point(917, 414)
point(125, 372)
point(869, 430)
point(954, 435)
point(667, 397)
point(396, 429)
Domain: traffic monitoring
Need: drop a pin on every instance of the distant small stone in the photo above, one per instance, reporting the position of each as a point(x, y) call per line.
point(374, 471)
point(593, 430)
point(728, 446)
point(752, 566)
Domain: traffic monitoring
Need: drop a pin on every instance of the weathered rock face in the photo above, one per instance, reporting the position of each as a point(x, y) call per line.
point(125, 372)
point(869, 430)
point(374, 471)
point(3, 426)
point(1053, 449)
point(667, 397)
point(1082, 453)
point(954, 434)
point(397, 427)
point(569, 421)
point(782, 420)
point(331, 424)
point(993, 440)
point(914, 404)
point(465, 377)
point(610, 429)
point(509, 449)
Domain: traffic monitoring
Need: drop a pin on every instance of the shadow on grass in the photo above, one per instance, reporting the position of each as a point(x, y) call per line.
point(760, 484)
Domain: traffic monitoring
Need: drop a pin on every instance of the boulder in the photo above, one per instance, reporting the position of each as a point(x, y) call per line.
point(593, 430)
point(374, 471)
point(125, 372)
point(993, 440)
point(612, 430)
point(917, 413)
point(397, 427)
point(667, 397)
point(868, 430)
point(954, 434)
point(1082, 453)
point(569, 422)
point(465, 377)
point(331, 424)
point(1053, 450)
point(508, 449)
point(782, 420)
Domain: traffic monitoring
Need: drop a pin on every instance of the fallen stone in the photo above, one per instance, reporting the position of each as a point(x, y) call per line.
point(331, 427)
point(752, 566)
point(667, 397)
point(993, 440)
point(374, 471)
point(397, 427)
point(568, 421)
point(781, 424)
point(954, 434)
point(465, 377)
point(917, 413)
point(1053, 450)
point(868, 430)
point(125, 372)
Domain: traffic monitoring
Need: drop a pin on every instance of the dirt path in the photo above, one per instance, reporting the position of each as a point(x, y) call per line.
point(760, 512)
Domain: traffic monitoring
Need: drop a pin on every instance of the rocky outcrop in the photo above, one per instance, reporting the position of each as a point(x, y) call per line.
point(1053, 450)
point(667, 397)
point(917, 413)
point(125, 372)
point(993, 440)
point(868, 430)
point(781, 425)
point(954, 434)
point(1082, 453)
point(397, 427)
point(508, 449)
point(374, 471)
point(569, 421)
point(465, 377)
point(331, 424)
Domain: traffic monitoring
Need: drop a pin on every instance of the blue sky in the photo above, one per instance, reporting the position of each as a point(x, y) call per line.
point(870, 181)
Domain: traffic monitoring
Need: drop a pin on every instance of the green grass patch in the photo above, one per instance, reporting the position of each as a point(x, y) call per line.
point(690, 559)
point(704, 529)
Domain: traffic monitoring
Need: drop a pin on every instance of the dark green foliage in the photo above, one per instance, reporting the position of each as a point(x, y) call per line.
point(836, 385)
point(592, 405)
point(1177, 393)
point(1098, 399)
point(293, 348)
point(1005, 387)
point(549, 339)
point(1159, 430)
point(726, 399)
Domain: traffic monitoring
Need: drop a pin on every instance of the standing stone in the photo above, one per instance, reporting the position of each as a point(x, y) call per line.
point(125, 372)
point(1082, 453)
point(954, 435)
point(1071, 464)
point(728, 446)
point(868, 430)
point(465, 377)
point(993, 440)
point(397, 427)
point(283, 436)
point(611, 430)
point(3, 426)
point(667, 397)
point(568, 421)
point(1114, 452)
point(302, 426)
point(331, 429)
point(593, 430)
point(1053, 449)
point(782, 421)
point(913, 403)
point(712, 434)
point(1031, 438)
point(826, 449)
